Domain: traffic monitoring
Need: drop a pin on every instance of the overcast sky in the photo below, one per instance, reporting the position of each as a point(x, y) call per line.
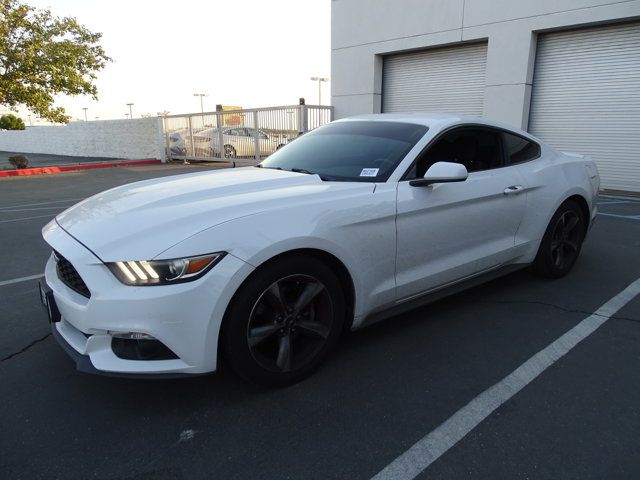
point(249, 53)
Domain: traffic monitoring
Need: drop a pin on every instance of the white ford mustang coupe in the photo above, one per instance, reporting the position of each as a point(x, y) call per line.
point(266, 266)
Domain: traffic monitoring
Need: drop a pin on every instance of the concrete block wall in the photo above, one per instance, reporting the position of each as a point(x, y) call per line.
point(136, 139)
point(363, 31)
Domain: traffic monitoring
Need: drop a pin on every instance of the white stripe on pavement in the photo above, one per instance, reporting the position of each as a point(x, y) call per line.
point(627, 217)
point(427, 450)
point(26, 218)
point(41, 203)
point(57, 207)
point(21, 279)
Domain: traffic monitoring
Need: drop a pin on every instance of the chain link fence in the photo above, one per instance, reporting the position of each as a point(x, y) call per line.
point(239, 136)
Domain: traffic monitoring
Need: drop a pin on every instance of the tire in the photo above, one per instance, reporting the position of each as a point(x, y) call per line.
point(562, 241)
point(283, 321)
point(229, 151)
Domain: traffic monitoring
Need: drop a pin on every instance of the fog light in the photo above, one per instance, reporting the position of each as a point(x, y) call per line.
point(131, 335)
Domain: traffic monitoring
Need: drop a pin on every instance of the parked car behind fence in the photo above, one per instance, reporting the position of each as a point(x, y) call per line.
point(243, 135)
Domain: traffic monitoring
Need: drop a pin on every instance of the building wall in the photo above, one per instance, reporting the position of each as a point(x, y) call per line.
point(139, 138)
point(364, 31)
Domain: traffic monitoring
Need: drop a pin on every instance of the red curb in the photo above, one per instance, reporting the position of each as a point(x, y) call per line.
point(69, 168)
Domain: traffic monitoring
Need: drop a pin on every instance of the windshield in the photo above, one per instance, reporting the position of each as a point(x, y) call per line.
point(361, 151)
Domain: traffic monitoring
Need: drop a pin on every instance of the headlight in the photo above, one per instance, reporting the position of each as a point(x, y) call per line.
point(164, 272)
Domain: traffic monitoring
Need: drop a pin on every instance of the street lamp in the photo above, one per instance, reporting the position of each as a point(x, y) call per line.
point(130, 111)
point(85, 113)
point(201, 95)
point(319, 80)
point(126, 115)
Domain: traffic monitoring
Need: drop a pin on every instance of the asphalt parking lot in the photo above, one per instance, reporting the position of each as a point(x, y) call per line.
point(385, 388)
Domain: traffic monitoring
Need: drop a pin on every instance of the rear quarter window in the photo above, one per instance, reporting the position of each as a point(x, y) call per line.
point(519, 149)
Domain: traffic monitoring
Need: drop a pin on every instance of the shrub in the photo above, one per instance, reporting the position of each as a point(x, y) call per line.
point(19, 161)
point(11, 122)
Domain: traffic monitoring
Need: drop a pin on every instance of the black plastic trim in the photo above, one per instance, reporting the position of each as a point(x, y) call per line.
point(83, 364)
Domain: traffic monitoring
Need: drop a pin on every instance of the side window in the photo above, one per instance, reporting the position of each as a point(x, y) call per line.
point(237, 132)
point(519, 149)
point(476, 148)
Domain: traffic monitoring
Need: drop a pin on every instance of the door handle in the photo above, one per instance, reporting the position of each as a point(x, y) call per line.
point(513, 190)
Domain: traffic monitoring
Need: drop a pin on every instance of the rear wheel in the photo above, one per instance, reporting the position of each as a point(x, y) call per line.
point(283, 321)
point(562, 241)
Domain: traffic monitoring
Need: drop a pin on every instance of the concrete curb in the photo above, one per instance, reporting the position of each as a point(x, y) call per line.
point(68, 168)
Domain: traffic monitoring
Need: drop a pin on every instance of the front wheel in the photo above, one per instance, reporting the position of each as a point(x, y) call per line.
point(229, 151)
point(562, 241)
point(283, 321)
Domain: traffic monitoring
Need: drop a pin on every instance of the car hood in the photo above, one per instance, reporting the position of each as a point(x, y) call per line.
point(141, 220)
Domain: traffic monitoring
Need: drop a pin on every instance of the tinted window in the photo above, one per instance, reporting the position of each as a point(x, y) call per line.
point(476, 149)
point(519, 149)
point(236, 132)
point(350, 151)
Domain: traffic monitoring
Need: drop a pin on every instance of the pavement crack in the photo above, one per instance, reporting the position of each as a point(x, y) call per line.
point(10, 356)
point(559, 307)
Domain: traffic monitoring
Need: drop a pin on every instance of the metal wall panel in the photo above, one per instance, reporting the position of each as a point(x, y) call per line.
point(450, 80)
point(586, 98)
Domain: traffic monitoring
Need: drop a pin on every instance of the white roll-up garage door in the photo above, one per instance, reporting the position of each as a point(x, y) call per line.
point(448, 80)
point(586, 98)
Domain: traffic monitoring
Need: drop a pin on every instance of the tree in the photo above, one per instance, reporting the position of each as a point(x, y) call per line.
point(42, 55)
point(11, 122)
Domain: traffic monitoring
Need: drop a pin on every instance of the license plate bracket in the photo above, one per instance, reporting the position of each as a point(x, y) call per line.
point(49, 302)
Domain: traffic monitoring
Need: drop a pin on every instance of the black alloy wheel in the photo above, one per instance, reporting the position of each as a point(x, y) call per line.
point(290, 323)
point(562, 241)
point(566, 239)
point(283, 320)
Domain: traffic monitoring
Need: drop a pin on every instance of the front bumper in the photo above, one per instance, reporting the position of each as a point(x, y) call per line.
point(185, 317)
point(83, 363)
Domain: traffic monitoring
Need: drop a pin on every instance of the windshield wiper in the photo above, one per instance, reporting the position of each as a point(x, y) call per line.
point(272, 168)
point(301, 170)
point(296, 170)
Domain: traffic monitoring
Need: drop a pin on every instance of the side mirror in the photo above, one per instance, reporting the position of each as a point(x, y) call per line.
point(442, 172)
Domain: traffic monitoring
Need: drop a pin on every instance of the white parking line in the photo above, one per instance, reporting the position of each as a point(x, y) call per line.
point(628, 217)
point(41, 203)
point(26, 218)
point(57, 207)
point(21, 279)
point(427, 450)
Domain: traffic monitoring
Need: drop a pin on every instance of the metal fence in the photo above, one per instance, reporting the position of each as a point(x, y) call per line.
point(243, 136)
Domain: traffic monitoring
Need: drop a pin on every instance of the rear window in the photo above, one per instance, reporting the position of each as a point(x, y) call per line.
point(519, 149)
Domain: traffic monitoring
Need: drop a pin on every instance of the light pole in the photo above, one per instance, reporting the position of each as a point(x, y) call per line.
point(319, 80)
point(126, 115)
point(85, 113)
point(201, 95)
point(130, 111)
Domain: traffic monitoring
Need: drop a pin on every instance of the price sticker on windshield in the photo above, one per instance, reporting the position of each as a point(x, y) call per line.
point(369, 172)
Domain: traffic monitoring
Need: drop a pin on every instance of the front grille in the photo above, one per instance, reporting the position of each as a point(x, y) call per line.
point(70, 276)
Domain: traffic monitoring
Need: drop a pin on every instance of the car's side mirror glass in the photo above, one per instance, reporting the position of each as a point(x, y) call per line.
point(442, 172)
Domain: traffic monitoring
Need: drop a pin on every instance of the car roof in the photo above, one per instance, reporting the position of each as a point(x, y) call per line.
point(435, 121)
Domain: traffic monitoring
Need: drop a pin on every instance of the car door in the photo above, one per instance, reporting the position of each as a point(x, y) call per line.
point(242, 142)
point(267, 145)
point(449, 231)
